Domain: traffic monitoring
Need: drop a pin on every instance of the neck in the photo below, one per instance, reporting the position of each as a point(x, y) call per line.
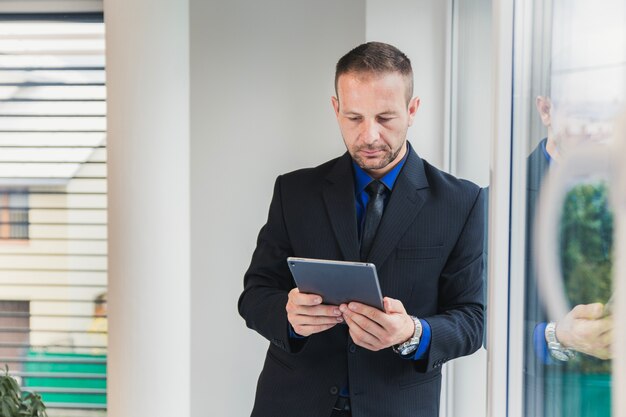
point(551, 148)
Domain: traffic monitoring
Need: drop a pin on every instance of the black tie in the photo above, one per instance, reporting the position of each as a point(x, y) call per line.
point(373, 214)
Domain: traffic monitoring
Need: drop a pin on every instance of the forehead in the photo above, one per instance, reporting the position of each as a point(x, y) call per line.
point(362, 89)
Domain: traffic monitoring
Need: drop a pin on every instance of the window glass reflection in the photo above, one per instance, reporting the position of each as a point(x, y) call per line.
point(578, 89)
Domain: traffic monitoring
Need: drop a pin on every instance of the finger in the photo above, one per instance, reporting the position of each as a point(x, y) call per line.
point(360, 336)
point(393, 306)
point(588, 311)
point(368, 325)
point(307, 330)
point(600, 353)
point(364, 344)
point(319, 310)
point(368, 311)
point(305, 299)
point(606, 324)
point(606, 339)
point(593, 329)
point(304, 320)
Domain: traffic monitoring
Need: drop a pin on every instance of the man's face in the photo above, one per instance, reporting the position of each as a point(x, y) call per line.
point(572, 124)
point(374, 117)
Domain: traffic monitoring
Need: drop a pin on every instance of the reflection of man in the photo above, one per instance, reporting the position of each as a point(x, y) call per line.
point(426, 247)
point(586, 328)
point(99, 325)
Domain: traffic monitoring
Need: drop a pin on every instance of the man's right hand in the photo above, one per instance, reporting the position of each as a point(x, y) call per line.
point(308, 315)
point(587, 330)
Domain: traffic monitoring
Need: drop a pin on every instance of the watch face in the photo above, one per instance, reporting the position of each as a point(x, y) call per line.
point(407, 350)
point(556, 354)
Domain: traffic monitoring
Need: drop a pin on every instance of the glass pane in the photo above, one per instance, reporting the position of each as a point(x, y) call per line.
point(53, 185)
point(576, 90)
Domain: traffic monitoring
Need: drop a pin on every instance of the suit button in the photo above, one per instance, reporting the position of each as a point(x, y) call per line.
point(352, 348)
point(334, 390)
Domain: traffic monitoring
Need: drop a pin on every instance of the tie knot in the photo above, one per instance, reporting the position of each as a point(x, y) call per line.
point(375, 188)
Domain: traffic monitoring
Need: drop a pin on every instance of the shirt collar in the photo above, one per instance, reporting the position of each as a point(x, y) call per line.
point(362, 178)
point(545, 151)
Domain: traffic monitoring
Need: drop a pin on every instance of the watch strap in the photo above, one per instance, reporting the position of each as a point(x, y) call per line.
point(412, 344)
point(557, 351)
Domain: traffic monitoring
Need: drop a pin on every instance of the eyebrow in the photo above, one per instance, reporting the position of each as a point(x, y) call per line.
point(384, 113)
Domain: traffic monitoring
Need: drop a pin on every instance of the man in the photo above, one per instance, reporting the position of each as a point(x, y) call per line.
point(380, 203)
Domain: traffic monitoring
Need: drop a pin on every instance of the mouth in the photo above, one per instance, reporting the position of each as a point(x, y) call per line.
point(371, 152)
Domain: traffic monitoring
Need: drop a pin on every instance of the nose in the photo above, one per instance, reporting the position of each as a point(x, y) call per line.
point(369, 131)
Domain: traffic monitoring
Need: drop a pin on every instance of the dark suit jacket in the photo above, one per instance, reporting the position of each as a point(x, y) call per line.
point(428, 255)
point(536, 168)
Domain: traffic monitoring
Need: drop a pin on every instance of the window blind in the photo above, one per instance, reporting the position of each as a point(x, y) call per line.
point(53, 279)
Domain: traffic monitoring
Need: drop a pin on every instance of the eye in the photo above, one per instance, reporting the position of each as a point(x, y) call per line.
point(354, 118)
point(383, 119)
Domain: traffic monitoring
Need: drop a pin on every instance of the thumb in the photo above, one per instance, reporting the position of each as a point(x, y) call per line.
point(589, 311)
point(393, 306)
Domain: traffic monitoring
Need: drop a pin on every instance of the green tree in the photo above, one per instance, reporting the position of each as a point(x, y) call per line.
point(587, 253)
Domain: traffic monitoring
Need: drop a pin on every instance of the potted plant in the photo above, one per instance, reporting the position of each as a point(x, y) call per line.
point(14, 404)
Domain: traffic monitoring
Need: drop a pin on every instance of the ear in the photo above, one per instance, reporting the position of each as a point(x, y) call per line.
point(335, 102)
point(413, 106)
point(544, 107)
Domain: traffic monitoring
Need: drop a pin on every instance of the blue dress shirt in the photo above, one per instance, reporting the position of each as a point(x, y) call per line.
point(361, 181)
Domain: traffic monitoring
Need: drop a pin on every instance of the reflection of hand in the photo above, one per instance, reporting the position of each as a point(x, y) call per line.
point(587, 330)
point(374, 329)
point(308, 315)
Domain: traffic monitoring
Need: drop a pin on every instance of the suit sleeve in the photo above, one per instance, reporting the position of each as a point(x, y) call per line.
point(268, 281)
point(457, 328)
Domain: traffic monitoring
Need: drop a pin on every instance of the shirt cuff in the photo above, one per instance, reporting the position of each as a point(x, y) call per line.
point(540, 344)
point(424, 344)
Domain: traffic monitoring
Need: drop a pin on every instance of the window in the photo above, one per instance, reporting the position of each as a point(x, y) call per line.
point(53, 197)
point(13, 215)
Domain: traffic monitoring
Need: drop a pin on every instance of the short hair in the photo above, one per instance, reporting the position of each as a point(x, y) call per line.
point(100, 299)
point(376, 58)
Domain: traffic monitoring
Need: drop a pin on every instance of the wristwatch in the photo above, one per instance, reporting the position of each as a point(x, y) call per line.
point(410, 345)
point(557, 351)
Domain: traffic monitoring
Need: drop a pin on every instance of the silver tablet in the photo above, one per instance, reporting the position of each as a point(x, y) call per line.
point(337, 281)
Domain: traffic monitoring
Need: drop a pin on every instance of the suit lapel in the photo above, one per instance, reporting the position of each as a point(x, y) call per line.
point(537, 166)
point(408, 196)
point(341, 207)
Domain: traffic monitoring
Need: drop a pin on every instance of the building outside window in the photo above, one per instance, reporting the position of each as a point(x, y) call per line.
point(13, 215)
point(53, 219)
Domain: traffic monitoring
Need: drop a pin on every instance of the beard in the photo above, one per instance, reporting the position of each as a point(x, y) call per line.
point(388, 156)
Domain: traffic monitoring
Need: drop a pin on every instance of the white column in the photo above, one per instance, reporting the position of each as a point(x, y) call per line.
point(149, 227)
point(499, 211)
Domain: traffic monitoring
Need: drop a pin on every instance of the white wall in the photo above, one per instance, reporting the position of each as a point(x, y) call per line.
point(473, 90)
point(418, 28)
point(262, 76)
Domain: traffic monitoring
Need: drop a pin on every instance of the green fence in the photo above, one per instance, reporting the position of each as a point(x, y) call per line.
point(69, 378)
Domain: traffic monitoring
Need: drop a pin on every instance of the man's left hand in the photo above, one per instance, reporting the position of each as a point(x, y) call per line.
point(374, 329)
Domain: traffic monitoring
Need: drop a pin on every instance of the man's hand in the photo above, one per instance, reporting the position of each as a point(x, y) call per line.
point(586, 329)
point(374, 329)
point(308, 315)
